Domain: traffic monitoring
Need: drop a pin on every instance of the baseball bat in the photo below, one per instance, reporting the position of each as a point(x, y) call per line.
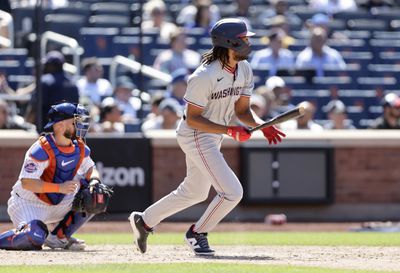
point(291, 114)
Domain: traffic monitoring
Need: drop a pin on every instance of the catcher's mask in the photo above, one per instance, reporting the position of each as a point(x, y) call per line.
point(66, 110)
point(229, 32)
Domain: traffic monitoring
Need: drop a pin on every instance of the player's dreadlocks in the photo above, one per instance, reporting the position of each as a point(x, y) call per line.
point(216, 53)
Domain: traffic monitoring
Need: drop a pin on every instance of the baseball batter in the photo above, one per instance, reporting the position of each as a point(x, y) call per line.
point(219, 89)
point(50, 176)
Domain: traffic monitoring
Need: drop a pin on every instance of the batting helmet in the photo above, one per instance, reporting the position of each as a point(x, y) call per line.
point(66, 110)
point(228, 33)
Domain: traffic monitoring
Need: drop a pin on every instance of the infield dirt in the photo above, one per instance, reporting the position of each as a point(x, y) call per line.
point(367, 258)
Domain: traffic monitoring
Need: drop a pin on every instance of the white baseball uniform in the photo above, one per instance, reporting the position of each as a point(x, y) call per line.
point(215, 90)
point(25, 206)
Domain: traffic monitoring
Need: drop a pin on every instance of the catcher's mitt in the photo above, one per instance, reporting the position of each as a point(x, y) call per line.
point(92, 199)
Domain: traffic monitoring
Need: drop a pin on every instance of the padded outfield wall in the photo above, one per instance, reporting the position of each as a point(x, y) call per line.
point(326, 176)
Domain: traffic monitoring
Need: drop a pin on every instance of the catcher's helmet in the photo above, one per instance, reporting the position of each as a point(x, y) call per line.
point(66, 110)
point(228, 33)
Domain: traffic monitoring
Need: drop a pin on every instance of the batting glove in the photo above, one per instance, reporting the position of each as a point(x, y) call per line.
point(239, 133)
point(273, 134)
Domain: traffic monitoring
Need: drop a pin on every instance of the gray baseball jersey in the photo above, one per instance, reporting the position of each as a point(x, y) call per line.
point(215, 90)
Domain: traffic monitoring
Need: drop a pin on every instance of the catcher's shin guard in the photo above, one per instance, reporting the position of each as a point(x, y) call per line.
point(71, 223)
point(30, 236)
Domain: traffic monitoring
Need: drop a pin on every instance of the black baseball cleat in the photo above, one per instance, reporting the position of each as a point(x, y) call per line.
point(198, 242)
point(140, 233)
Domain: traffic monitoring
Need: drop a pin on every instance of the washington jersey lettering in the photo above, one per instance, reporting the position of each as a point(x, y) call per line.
point(216, 90)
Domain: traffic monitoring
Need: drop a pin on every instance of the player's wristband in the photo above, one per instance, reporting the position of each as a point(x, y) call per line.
point(50, 187)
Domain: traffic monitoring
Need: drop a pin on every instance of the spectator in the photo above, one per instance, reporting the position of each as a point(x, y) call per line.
point(15, 122)
point(178, 56)
point(279, 7)
point(170, 114)
point(259, 106)
point(202, 13)
point(6, 30)
point(269, 99)
point(243, 10)
point(280, 23)
point(110, 118)
point(322, 20)
point(156, 99)
point(178, 85)
point(274, 57)
point(127, 103)
point(336, 112)
point(56, 87)
point(156, 11)
point(318, 55)
point(280, 93)
point(390, 118)
point(305, 121)
point(333, 6)
point(92, 87)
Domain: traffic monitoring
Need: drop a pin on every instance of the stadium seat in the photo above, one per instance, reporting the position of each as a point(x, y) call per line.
point(362, 58)
point(386, 35)
point(9, 54)
point(97, 41)
point(77, 8)
point(11, 67)
point(361, 98)
point(131, 46)
point(355, 34)
point(299, 45)
point(296, 82)
point(133, 127)
point(337, 24)
point(333, 83)
point(384, 70)
point(110, 8)
point(389, 57)
point(352, 70)
point(348, 45)
point(385, 13)
point(367, 24)
point(356, 114)
point(376, 83)
point(65, 24)
point(355, 14)
point(318, 98)
point(18, 81)
point(382, 45)
point(106, 20)
point(374, 111)
point(304, 12)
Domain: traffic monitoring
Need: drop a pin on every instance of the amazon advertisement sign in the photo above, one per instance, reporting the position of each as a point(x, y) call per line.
point(125, 165)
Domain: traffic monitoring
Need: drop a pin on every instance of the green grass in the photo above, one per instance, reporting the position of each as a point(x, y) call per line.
point(259, 238)
point(176, 268)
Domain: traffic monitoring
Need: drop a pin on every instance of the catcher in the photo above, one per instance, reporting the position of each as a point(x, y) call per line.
point(58, 189)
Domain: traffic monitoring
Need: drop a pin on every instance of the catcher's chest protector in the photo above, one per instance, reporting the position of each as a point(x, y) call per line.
point(63, 166)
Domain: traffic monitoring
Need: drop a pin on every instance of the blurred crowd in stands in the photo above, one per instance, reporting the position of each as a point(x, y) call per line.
point(339, 59)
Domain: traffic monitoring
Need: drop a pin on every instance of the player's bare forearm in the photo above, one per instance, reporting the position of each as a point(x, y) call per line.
point(249, 118)
point(202, 124)
point(40, 186)
point(244, 112)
